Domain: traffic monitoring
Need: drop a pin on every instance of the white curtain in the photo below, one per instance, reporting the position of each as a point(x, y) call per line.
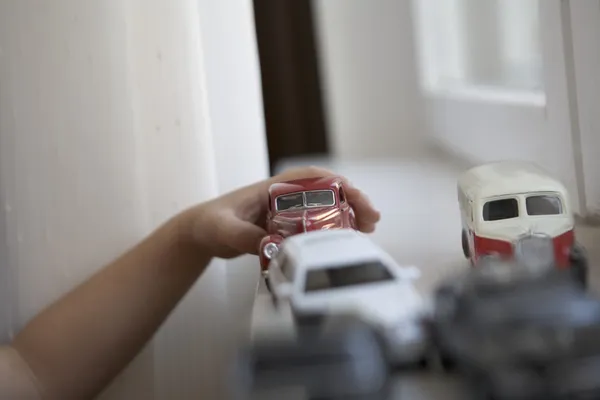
point(114, 115)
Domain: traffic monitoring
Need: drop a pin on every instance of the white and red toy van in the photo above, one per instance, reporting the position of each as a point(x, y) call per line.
point(511, 207)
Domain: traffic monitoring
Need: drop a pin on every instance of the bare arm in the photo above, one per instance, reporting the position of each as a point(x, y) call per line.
point(74, 348)
point(79, 344)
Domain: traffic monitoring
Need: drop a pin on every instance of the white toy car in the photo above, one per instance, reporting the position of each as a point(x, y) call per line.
point(343, 272)
point(512, 207)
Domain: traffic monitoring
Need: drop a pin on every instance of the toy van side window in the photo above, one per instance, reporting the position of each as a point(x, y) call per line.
point(342, 195)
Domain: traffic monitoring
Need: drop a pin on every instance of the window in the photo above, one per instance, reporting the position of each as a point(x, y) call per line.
point(290, 202)
point(543, 205)
point(494, 74)
point(337, 277)
point(315, 198)
point(474, 43)
point(497, 210)
point(342, 195)
point(320, 198)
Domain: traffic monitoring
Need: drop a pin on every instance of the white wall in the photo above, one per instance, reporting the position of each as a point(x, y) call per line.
point(369, 76)
point(113, 116)
point(585, 25)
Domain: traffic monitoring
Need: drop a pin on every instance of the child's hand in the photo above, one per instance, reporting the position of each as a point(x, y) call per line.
point(233, 224)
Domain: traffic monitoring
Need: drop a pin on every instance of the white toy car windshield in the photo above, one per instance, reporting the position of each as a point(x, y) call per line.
point(363, 273)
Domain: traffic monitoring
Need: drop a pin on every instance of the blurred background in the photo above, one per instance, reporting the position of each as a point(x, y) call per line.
point(481, 80)
point(403, 95)
point(116, 114)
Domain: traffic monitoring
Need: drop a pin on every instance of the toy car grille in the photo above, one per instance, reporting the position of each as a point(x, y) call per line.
point(535, 252)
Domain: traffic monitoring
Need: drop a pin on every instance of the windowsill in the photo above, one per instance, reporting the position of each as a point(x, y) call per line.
point(487, 94)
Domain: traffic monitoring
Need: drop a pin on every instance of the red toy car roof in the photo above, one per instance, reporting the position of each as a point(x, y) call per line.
point(300, 185)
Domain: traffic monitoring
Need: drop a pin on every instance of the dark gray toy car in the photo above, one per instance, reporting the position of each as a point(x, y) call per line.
point(520, 332)
point(345, 361)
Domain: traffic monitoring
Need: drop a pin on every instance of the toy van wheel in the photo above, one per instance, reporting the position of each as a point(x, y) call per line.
point(579, 265)
point(465, 244)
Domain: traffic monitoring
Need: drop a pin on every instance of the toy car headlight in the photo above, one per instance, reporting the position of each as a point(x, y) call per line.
point(535, 252)
point(270, 250)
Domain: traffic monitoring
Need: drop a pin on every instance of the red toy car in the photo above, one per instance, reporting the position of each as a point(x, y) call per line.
point(304, 205)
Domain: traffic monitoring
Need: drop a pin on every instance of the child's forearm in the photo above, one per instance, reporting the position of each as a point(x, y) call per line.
point(80, 343)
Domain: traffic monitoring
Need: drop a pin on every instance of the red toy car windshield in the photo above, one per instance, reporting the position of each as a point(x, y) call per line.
point(315, 198)
point(290, 202)
point(320, 198)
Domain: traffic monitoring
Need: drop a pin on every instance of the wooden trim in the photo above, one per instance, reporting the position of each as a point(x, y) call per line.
point(293, 102)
